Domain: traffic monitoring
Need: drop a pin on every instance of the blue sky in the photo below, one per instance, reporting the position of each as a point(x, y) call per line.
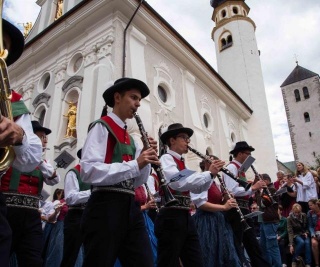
point(284, 29)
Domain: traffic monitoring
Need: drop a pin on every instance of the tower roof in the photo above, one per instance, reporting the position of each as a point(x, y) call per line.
point(298, 74)
point(215, 3)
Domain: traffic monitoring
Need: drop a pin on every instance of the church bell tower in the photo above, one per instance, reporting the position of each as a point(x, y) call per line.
point(238, 61)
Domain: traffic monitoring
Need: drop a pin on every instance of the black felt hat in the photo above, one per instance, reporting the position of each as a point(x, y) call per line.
point(36, 126)
point(173, 130)
point(122, 85)
point(16, 41)
point(241, 146)
point(79, 153)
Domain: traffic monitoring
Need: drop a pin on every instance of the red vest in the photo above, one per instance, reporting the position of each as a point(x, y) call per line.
point(29, 183)
point(140, 195)
point(214, 194)
point(121, 134)
point(181, 166)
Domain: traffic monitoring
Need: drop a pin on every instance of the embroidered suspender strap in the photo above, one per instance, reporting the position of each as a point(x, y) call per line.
point(82, 186)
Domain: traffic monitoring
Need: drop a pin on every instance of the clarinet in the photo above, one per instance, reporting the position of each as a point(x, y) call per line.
point(224, 187)
point(265, 190)
point(224, 170)
point(169, 199)
point(151, 196)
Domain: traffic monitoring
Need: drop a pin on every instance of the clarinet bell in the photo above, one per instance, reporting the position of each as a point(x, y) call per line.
point(245, 225)
point(168, 198)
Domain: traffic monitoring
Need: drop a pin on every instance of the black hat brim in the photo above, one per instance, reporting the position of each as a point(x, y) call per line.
point(122, 86)
point(166, 135)
point(250, 148)
point(17, 42)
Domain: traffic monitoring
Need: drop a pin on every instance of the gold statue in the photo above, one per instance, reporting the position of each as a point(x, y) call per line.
point(71, 115)
point(59, 9)
point(27, 27)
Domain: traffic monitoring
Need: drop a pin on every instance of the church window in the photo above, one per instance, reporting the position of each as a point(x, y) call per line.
point(223, 13)
point(229, 40)
point(162, 94)
point(297, 95)
point(235, 10)
point(306, 117)
point(223, 42)
point(205, 120)
point(41, 117)
point(305, 92)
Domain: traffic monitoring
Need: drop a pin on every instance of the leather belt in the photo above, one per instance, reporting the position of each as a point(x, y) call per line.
point(17, 200)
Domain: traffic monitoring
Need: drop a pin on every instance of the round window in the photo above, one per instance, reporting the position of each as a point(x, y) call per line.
point(44, 81)
point(162, 94)
point(77, 64)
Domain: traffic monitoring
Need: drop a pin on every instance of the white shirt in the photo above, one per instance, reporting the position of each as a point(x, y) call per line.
point(96, 172)
point(28, 155)
point(72, 193)
point(47, 171)
point(233, 186)
point(195, 183)
point(308, 190)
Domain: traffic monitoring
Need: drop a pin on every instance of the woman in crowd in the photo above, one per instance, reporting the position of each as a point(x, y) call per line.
point(306, 186)
point(314, 228)
point(282, 237)
point(288, 199)
point(299, 237)
point(215, 234)
point(53, 232)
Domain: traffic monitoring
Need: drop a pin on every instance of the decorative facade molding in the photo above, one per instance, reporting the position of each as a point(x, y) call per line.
point(60, 72)
point(75, 81)
point(41, 98)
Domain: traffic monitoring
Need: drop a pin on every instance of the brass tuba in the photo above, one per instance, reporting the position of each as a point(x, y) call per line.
point(6, 153)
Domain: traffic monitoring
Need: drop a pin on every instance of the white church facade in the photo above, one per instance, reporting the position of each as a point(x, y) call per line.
point(74, 58)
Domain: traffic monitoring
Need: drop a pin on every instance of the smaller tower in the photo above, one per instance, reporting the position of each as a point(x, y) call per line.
point(301, 96)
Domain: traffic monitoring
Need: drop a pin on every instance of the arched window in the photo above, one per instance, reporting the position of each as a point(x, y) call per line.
point(223, 42)
point(41, 117)
point(226, 42)
point(297, 95)
point(305, 92)
point(229, 40)
point(306, 117)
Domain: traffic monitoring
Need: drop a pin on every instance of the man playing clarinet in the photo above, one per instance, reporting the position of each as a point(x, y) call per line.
point(114, 165)
point(240, 153)
point(174, 227)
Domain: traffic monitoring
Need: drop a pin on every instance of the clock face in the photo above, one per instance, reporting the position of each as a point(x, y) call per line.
point(77, 64)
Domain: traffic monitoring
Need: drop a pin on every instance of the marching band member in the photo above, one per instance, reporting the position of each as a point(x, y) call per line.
point(113, 163)
point(22, 191)
point(174, 227)
point(76, 194)
point(18, 133)
point(240, 153)
point(215, 233)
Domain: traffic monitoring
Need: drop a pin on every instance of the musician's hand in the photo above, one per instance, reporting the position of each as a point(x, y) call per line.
point(215, 166)
point(291, 249)
point(146, 157)
point(149, 205)
point(153, 144)
point(231, 203)
point(258, 185)
point(10, 133)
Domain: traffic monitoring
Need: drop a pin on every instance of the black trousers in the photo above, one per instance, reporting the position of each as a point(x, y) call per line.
point(27, 236)
point(5, 233)
point(113, 227)
point(177, 238)
point(247, 238)
point(72, 237)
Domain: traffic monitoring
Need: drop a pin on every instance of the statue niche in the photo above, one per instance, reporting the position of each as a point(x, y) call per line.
point(72, 120)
